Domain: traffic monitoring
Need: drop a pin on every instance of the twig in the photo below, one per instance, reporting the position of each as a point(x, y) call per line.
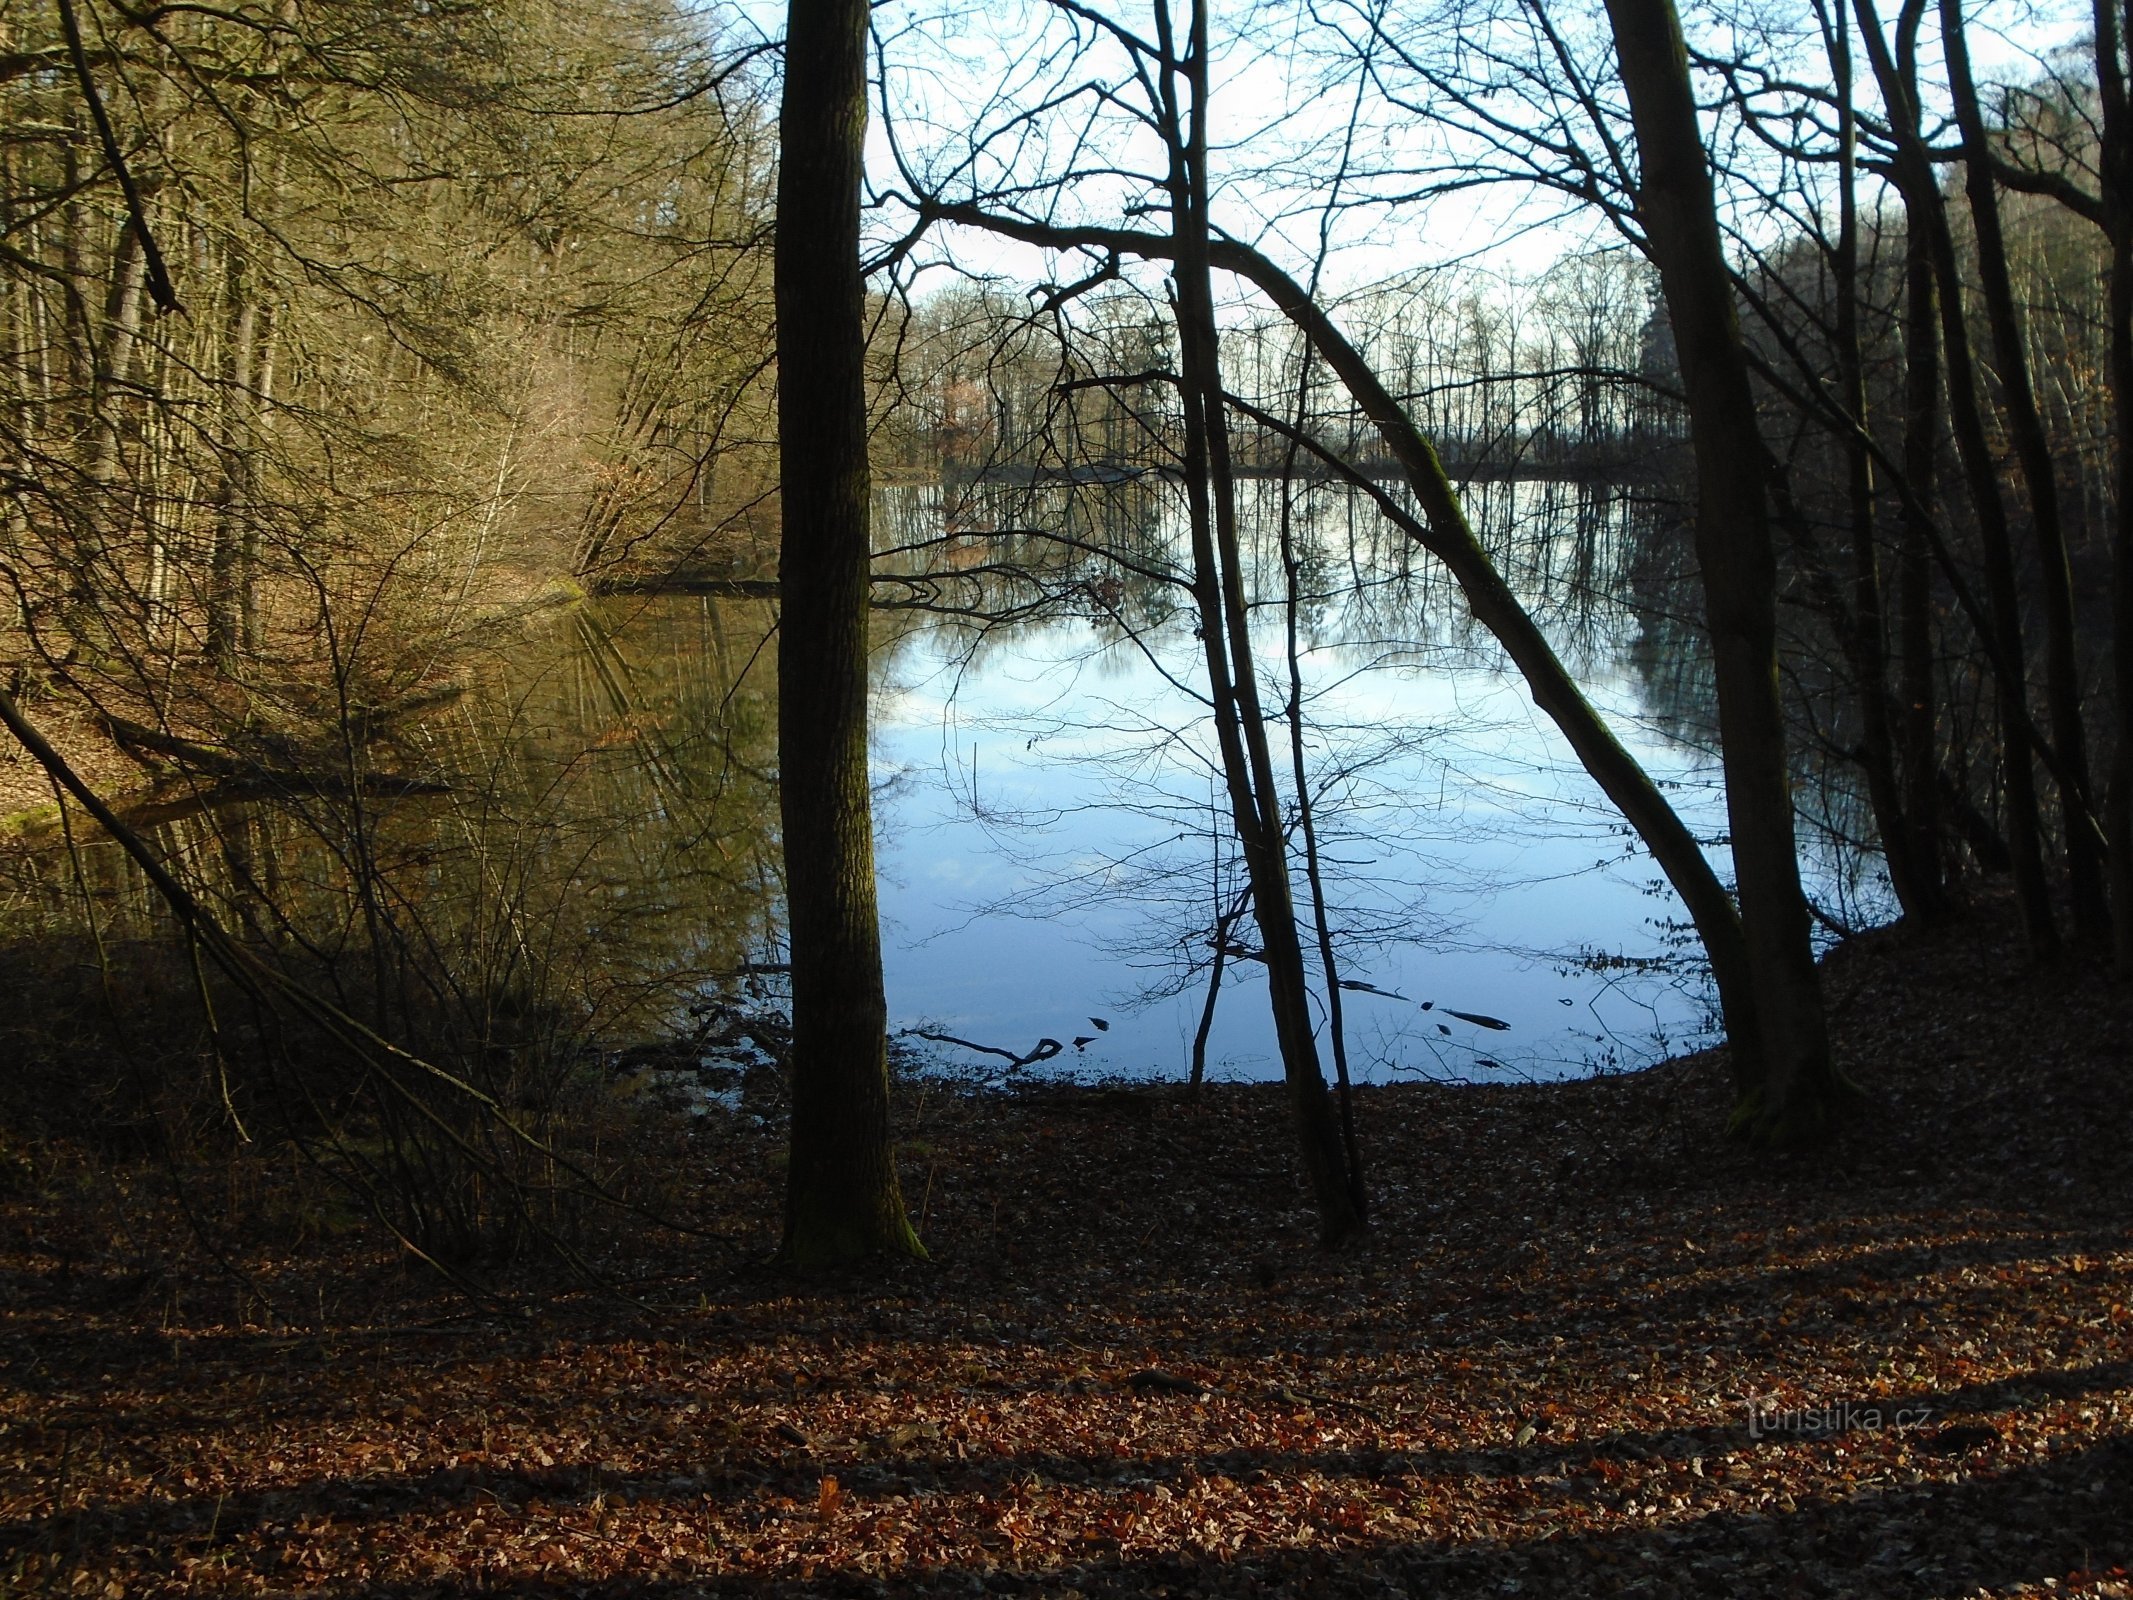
point(159, 284)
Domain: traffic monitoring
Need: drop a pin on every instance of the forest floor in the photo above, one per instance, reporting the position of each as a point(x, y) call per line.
point(1589, 1347)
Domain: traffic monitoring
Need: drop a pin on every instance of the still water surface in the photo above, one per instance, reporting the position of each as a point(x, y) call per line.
point(1052, 853)
point(1049, 801)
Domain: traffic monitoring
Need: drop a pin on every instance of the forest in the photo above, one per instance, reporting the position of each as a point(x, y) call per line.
point(1066, 798)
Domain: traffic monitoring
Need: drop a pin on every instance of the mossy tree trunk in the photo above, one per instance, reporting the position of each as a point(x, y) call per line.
point(842, 1199)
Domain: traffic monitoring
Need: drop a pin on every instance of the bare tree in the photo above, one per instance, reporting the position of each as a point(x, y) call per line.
point(1444, 531)
point(1225, 628)
point(2025, 423)
point(1926, 211)
point(1801, 1092)
point(841, 1197)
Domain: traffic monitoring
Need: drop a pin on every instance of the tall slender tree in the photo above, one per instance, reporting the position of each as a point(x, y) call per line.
point(2116, 162)
point(842, 1199)
point(1926, 217)
point(2033, 451)
point(1676, 206)
point(1226, 638)
point(1866, 636)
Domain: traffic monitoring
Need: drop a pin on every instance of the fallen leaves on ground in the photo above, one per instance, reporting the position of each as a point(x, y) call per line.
point(1588, 1348)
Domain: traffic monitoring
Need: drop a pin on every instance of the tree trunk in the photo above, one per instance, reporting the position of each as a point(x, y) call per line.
point(842, 1201)
point(1916, 886)
point(1926, 215)
point(1914, 571)
point(2115, 160)
point(1240, 721)
point(229, 577)
point(1802, 1092)
point(2062, 675)
point(99, 555)
point(1300, 781)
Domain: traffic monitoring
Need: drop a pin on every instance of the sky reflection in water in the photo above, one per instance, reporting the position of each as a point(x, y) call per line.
point(1044, 813)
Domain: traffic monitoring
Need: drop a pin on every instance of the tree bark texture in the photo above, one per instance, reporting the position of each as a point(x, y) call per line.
point(842, 1199)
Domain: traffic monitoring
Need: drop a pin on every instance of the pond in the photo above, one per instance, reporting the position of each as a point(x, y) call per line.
point(1054, 859)
point(1051, 846)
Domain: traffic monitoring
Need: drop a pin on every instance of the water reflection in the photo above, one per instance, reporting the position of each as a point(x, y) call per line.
point(603, 844)
point(1053, 843)
point(1053, 838)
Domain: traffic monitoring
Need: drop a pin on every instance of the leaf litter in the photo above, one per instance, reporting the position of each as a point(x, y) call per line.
point(1589, 1347)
